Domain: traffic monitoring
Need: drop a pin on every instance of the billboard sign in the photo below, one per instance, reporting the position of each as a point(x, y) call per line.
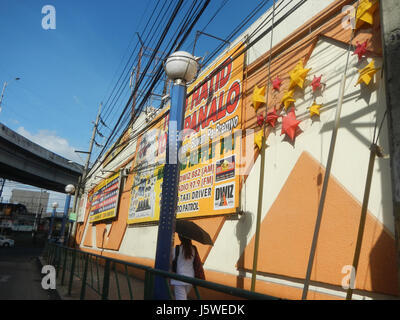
point(208, 182)
point(104, 201)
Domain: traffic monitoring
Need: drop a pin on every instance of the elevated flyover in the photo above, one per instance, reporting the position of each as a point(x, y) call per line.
point(24, 161)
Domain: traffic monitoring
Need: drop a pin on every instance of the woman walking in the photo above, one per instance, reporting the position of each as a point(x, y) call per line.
point(186, 262)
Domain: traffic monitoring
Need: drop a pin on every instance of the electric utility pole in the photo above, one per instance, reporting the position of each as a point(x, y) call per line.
point(141, 52)
point(91, 142)
point(85, 169)
point(390, 26)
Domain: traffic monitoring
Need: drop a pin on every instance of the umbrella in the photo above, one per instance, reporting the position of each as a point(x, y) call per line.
point(190, 230)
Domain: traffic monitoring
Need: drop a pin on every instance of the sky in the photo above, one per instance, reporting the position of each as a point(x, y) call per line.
point(66, 72)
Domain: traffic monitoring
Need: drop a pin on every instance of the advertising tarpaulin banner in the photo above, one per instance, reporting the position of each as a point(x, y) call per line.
point(208, 158)
point(209, 179)
point(147, 169)
point(104, 201)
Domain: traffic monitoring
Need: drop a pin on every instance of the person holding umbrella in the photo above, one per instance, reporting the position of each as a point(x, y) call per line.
point(185, 258)
point(183, 264)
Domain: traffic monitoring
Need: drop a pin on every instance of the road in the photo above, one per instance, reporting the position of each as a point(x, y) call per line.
point(20, 274)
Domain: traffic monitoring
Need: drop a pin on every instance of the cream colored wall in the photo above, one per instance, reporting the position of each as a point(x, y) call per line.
point(351, 155)
point(140, 241)
point(350, 158)
point(281, 31)
point(148, 235)
point(307, 10)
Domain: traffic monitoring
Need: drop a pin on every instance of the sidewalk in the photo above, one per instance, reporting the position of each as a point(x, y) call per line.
point(93, 288)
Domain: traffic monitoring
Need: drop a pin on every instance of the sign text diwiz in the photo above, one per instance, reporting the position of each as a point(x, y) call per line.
point(226, 191)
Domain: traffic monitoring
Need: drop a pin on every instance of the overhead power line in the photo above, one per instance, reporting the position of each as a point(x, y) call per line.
point(186, 28)
point(124, 121)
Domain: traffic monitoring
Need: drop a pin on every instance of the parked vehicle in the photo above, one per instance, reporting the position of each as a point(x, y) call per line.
point(5, 242)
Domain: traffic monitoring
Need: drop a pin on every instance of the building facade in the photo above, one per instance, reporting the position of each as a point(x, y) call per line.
point(34, 201)
point(287, 92)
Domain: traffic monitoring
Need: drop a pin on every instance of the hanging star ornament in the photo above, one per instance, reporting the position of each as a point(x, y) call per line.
point(314, 109)
point(287, 99)
point(361, 50)
point(298, 75)
point(365, 12)
point(290, 124)
point(316, 83)
point(272, 117)
point(258, 97)
point(277, 83)
point(260, 120)
point(367, 73)
point(258, 138)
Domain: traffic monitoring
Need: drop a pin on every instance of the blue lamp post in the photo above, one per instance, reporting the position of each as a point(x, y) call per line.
point(181, 67)
point(54, 205)
point(69, 189)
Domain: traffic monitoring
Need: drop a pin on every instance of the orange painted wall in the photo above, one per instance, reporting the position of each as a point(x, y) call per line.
point(290, 221)
point(287, 231)
point(112, 239)
point(213, 227)
point(286, 55)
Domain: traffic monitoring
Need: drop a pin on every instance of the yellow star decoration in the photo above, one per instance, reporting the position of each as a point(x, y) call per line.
point(314, 109)
point(287, 99)
point(365, 12)
point(258, 97)
point(297, 75)
point(367, 73)
point(258, 138)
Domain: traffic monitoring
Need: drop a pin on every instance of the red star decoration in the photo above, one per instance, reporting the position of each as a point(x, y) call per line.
point(316, 83)
point(290, 124)
point(260, 120)
point(277, 83)
point(272, 117)
point(361, 49)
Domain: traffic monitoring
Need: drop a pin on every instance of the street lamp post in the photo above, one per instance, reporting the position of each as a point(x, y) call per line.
point(54, 205)
point(69, 189)
point(181, 67)
point(2, 92)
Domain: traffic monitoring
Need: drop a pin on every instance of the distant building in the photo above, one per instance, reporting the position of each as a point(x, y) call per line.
point(34, 201)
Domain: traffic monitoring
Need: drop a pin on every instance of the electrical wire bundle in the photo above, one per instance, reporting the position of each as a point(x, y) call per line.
point(144, 88)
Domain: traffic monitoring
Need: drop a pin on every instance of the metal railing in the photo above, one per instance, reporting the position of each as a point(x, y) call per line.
point(110, 278)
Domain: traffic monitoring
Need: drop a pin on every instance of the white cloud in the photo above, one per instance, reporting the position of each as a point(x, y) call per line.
point(49, 140)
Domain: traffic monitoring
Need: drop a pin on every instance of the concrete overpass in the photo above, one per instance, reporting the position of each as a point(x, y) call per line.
point(23, 161)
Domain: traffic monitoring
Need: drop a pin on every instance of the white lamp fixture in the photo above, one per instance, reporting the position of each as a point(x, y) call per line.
point(54, 205)
point(70, 189)
point(181, 65)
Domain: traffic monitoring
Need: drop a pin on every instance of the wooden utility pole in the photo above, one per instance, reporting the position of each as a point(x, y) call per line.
point(141, 52)
point(390, 26)
point(81, 182)
point(136, 81)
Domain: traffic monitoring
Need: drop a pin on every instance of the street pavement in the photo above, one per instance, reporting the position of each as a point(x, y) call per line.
point(20, 273)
